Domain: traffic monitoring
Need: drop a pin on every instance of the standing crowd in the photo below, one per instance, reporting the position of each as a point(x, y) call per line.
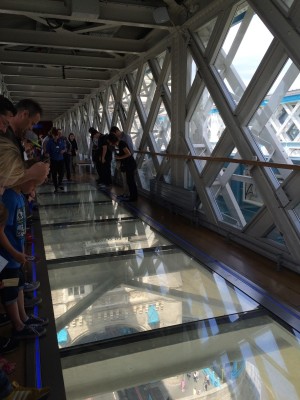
point(117, 144)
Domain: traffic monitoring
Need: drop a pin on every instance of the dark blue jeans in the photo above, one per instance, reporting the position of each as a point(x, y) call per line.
point(5, 386)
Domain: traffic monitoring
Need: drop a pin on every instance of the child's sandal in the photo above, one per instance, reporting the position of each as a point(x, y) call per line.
point(7, 366)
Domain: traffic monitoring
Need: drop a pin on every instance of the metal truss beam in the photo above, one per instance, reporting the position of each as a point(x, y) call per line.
point(54, 73)
point(70, 83)
point(56, 40)
point(60, 60)
point(19, 95)
point(47, 89)
point(109, 13)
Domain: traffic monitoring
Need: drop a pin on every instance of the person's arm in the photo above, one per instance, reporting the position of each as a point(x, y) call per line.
point(62, 147)
point(104, 151)
point(130, 144)
point(37, 172)
point(125, 155)
point(5, 243)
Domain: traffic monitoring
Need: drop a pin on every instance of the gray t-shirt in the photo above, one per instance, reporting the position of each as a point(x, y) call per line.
point(127, 139)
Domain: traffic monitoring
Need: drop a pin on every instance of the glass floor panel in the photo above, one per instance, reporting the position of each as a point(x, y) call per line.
point(72, 197)
point(82, 212)
point(96, 238)
point(137, 292)
point(138, 318)
point(69, 187)
point(245, 359)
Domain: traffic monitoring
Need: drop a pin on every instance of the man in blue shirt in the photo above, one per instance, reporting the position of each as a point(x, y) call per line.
point(55, 149)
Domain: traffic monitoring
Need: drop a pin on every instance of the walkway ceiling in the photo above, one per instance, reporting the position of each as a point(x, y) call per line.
point(58, 52)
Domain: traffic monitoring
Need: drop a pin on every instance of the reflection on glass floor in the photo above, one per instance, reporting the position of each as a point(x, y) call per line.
point(82, 212)
point(70, 197)
point(247, 358)
point(137, 317)
point(68, 187)
point(101, 237)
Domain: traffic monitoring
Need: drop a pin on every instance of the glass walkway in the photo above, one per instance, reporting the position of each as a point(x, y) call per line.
point(139, 315)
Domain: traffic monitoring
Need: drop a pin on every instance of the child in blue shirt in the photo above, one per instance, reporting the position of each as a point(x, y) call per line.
point(12, 237)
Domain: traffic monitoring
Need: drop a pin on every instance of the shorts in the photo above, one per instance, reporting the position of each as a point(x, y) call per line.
point(10, 294)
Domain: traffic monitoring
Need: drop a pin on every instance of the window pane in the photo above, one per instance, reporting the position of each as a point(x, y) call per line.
point(161, 132)
point(136, 131)
point(205, 31)
point(205, 127)
point(275, 125)
point(239, 57)
point(147, 89)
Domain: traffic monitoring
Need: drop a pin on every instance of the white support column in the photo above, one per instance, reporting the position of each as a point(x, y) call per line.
point(178, 101)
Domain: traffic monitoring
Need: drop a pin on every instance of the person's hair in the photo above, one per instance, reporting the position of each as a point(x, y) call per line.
point(6, 105)
point(71, 133)
point(29, 105)
point(93, 131)
point(111, 137)
point(54, 131)
point(11, 164)
point(114, 129)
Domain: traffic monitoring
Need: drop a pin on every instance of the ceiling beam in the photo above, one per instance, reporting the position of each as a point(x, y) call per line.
point(27, 57)
point(55, 100)
point(109, 13)
point(19, 95)
point(94, 28)
point(74, 83)
point(87, 74)
point(56, 40)
point(45, 88)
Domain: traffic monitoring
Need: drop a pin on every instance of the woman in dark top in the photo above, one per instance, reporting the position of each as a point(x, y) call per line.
point(128, 164)
point(74, 149)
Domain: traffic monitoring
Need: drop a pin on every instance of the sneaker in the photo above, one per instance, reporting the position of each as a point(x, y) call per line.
point(4, 319)
point(29, 332)
point(7, 345)
point(28, 237)
point(7, 366)
point(30, 302)
point(35, 320)
point(28, 393)
point(30, 287)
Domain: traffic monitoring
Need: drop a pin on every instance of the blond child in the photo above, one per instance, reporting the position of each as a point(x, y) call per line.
point(12, 238)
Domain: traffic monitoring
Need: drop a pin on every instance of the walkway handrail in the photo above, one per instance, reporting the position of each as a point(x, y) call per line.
point(254, 163)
